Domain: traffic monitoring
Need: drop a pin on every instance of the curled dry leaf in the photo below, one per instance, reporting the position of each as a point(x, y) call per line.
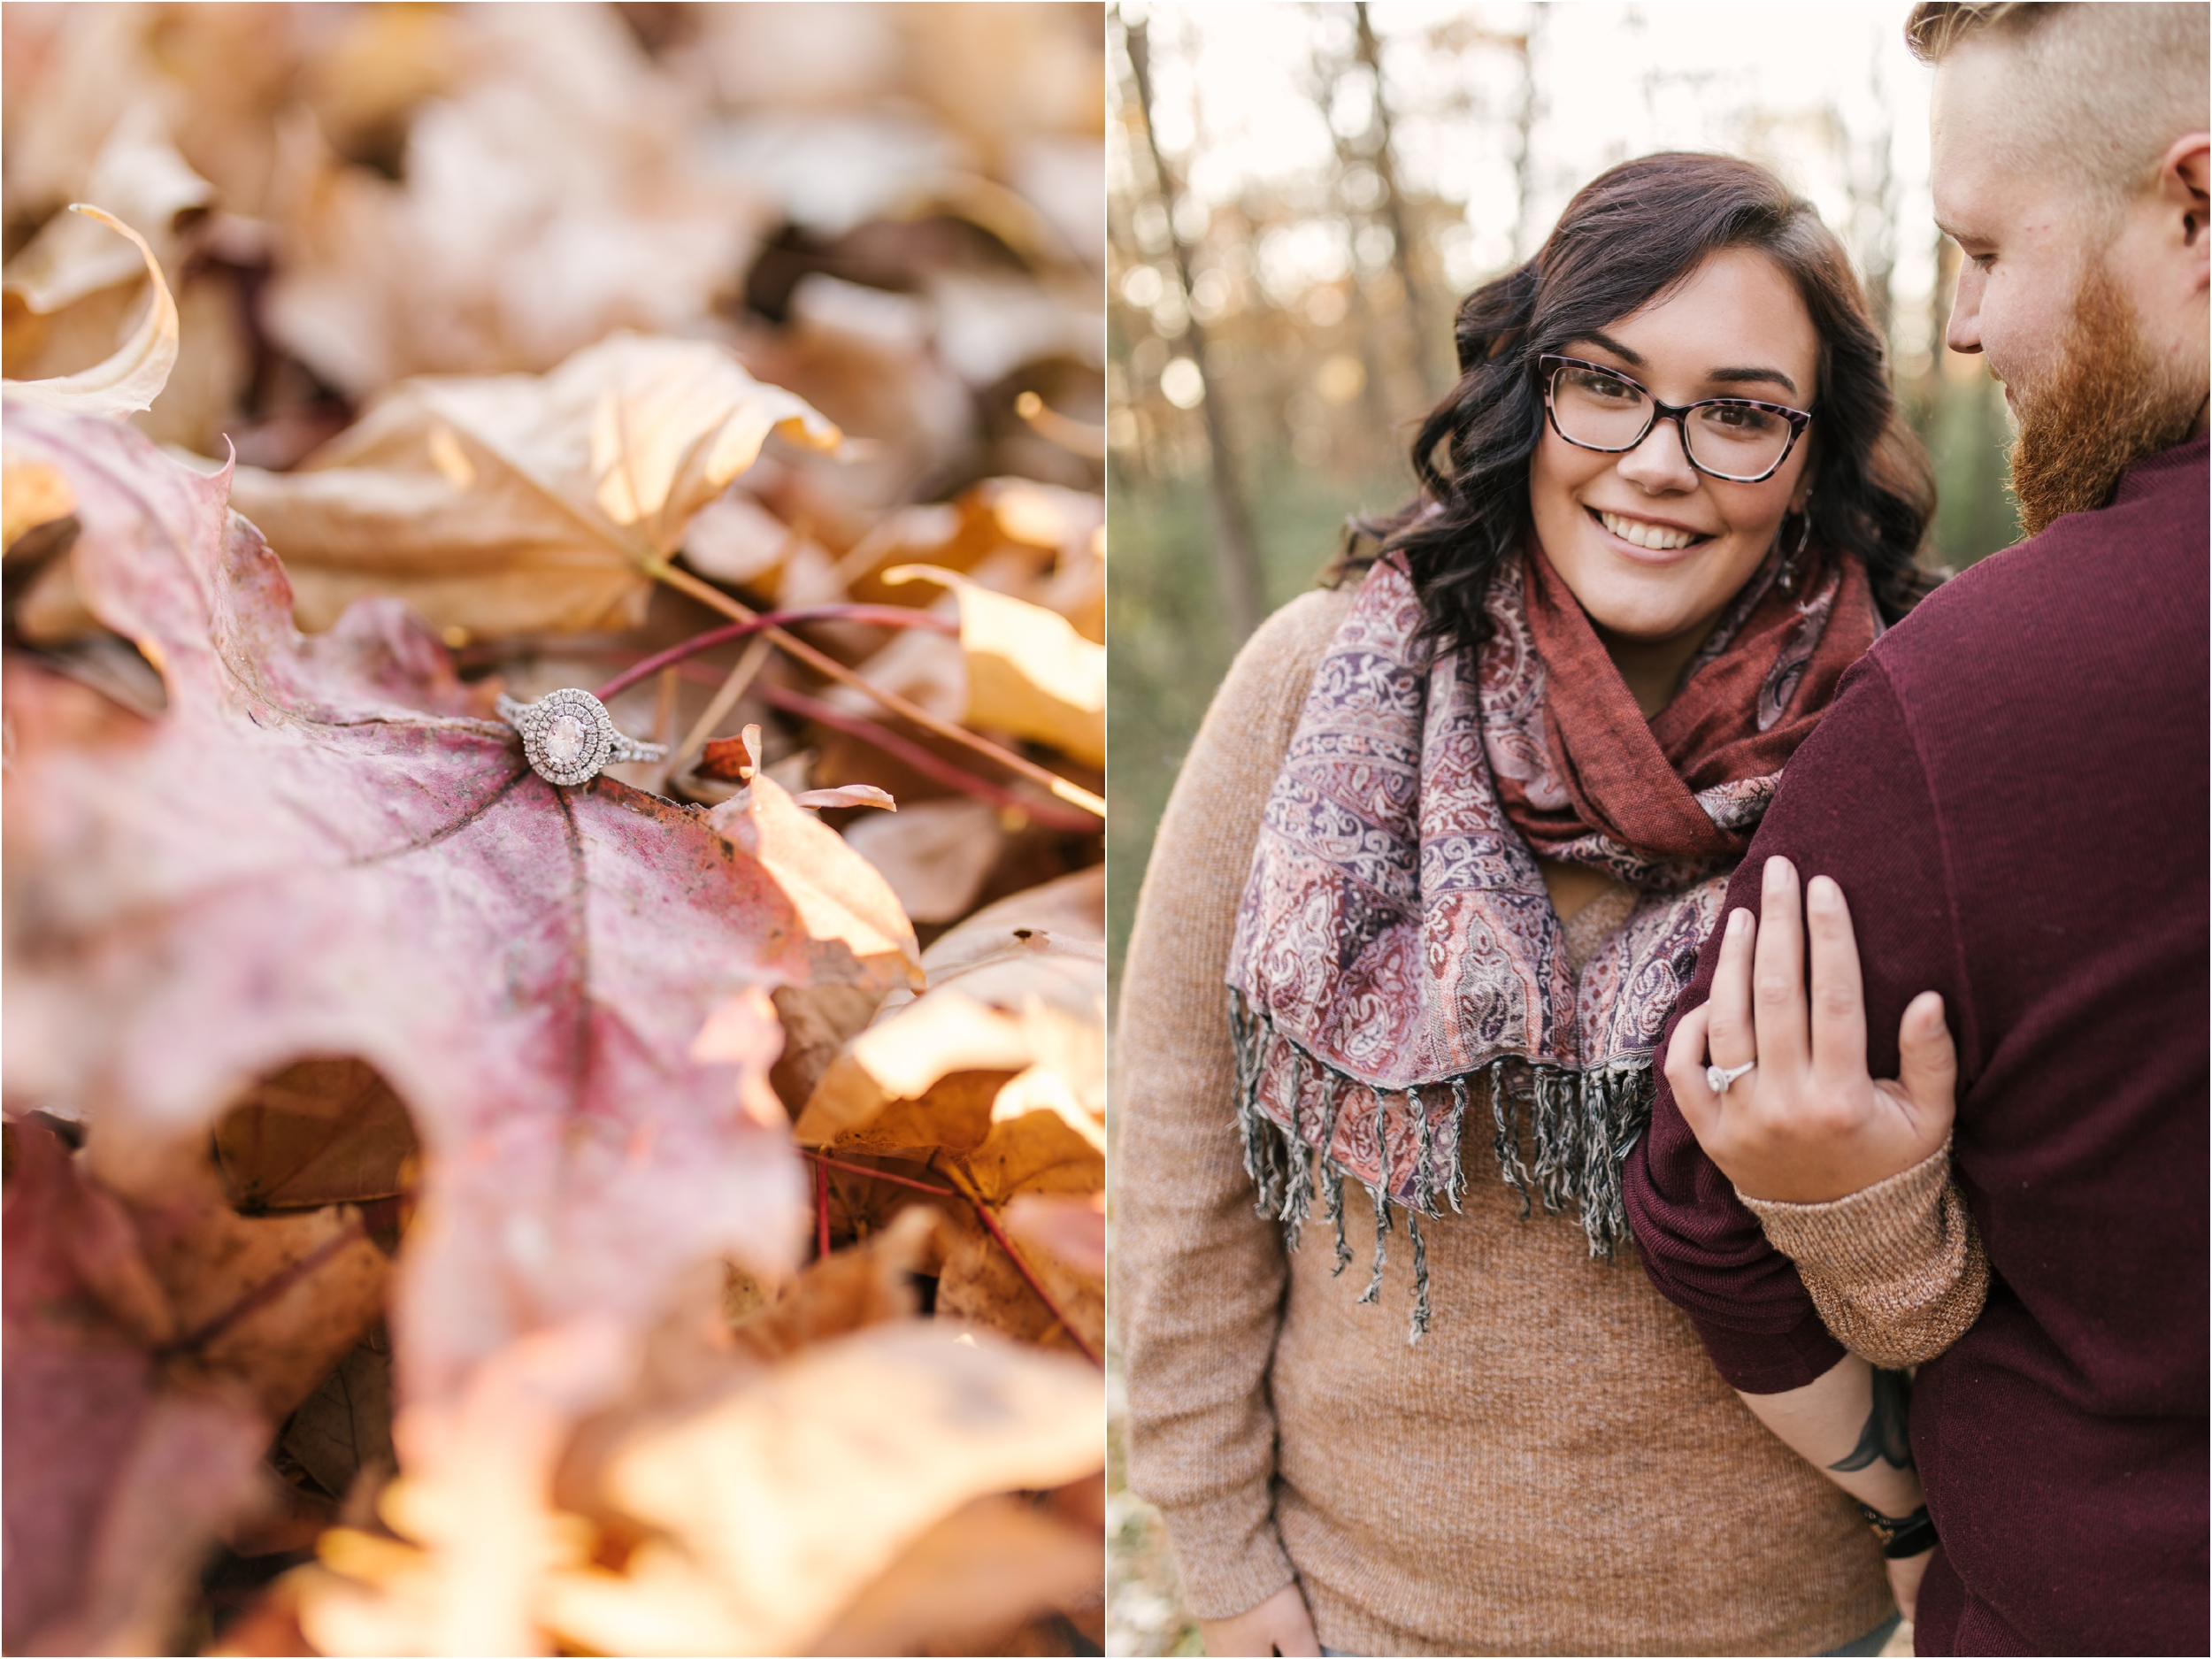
point(138, 177)
point(839, 896)
point(515, 503)
point(847, 794)
point(1029, 671)
point(131, 379)
point(346, 863)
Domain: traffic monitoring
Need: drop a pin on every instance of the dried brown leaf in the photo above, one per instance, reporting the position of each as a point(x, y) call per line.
point(935, 854)
point(845, 1292)
point(139, 177)
point(519, 503)
point(345, 1426)
point(322, 1132)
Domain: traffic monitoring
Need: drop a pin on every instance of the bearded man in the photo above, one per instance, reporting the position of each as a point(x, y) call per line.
point(2004, 814)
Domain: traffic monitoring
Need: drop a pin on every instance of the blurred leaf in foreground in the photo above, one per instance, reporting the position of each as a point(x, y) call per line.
point(146, 1361)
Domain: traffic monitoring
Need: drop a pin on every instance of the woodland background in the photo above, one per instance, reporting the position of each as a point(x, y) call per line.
point(1299, 196)
point(448, 1214)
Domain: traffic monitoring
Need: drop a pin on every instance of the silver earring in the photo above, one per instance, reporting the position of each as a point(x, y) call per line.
point(1786, 577)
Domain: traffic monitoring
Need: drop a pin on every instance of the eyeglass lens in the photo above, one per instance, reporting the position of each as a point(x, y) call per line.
point(1604, 411)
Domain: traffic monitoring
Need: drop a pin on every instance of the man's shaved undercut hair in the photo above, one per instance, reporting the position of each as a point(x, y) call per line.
point(2104, 89)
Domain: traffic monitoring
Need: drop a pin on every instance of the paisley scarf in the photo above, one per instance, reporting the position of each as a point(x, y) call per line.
point(1397, 958)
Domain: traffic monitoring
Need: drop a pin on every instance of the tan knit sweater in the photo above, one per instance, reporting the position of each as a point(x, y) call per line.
point(1555, 1469)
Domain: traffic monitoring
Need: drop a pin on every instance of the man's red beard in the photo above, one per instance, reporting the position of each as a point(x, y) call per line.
point(2109, 403)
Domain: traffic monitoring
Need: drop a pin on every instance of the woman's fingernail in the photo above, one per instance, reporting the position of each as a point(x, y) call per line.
point(1737, 920)
point(1823, 893)
point(1777, 874)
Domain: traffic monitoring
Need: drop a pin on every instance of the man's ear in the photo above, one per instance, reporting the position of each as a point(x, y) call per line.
point(2185, 192)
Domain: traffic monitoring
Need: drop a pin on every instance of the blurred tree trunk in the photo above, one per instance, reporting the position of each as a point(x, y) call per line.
point(1524, 136)
point(1418, 311)
point(1235, 558)
point(1379, 442)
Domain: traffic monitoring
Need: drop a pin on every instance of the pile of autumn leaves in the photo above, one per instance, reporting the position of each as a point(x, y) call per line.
point(559, 1219)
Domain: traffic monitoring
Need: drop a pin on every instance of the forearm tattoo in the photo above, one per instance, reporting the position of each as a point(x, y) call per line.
point(1885, 1435)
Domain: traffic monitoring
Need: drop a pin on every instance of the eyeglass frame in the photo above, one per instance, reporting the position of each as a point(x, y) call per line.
point(1550, 362)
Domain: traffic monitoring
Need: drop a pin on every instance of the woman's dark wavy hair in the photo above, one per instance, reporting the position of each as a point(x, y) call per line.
point(1629, 236)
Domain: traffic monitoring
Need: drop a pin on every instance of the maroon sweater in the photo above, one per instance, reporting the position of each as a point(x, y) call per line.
point(2011, 790)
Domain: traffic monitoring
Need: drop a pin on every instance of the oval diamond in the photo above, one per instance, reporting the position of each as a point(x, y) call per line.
point(565, 740)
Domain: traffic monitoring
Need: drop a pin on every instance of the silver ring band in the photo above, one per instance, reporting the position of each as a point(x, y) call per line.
point(1717, 1079)
point(568, 736)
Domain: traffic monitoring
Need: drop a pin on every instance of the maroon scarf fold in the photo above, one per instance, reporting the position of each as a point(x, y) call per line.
point(1753, 694)
point(1396, 947)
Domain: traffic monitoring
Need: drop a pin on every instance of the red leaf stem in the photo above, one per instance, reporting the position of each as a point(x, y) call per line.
point(875, 616)
point(1051, 814)
point(990, 1224)
point(821, 1213)
point(267, 1291)
point(823, 1162)
point(830, 668)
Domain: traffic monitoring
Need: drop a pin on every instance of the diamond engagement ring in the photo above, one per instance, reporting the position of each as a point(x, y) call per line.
point(1718, 1081)
point(569, 735)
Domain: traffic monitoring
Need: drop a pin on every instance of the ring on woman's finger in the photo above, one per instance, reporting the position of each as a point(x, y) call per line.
point(1718, 1078)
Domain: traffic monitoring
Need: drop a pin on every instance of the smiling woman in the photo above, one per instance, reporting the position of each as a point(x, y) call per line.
point(1649, 533)
point(1452, 832)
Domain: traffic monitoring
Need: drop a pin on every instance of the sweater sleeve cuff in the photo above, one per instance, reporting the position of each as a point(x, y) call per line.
point(1762, 1363)
point(1885, 1234)
point(1229, 1562)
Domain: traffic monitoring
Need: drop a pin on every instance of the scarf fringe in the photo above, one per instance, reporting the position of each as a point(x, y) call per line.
point(1583, 1125)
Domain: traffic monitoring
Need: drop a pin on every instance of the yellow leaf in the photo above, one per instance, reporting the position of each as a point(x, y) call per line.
point(32, 494)
point(968, 1579)
point(134, 376)
point(1029, 671)
point(796, 1492)
point(1019, 988)
point(850, 913)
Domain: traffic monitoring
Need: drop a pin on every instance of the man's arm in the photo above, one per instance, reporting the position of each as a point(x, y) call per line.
point(1855, 806)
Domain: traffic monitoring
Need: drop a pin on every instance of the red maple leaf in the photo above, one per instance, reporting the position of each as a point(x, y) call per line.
point(321, 851)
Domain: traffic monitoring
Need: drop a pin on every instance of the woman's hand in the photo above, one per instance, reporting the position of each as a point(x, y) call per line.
point(1280, 1625)
point(1807, 1123)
